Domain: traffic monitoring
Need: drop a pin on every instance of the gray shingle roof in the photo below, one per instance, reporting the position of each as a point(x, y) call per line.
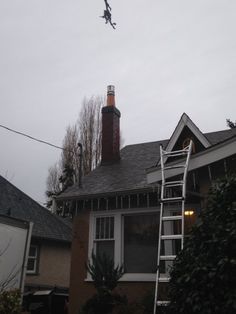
point(220, 136)
point(130, 172)
point(21, 206)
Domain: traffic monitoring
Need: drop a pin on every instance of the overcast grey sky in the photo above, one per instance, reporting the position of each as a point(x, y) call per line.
point(166, 57)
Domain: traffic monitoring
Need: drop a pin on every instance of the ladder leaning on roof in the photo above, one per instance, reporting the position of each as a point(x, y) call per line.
point(165, 215)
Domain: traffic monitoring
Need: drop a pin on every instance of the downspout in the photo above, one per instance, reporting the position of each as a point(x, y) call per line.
point(80, 164)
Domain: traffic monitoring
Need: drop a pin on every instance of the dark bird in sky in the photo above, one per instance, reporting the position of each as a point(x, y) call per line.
point(107, 14)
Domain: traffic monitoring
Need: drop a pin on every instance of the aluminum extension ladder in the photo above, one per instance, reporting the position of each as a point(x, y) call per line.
point(167, 202)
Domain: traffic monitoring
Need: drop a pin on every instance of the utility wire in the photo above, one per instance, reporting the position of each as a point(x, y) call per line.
point(31, 137)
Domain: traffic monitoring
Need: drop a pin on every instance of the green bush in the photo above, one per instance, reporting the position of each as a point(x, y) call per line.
point(203, 278)
point(10, 302)
point(103, 272)
point(105, 278)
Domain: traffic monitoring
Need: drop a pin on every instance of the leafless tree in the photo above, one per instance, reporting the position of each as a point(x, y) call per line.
point(87, 132)
point(70, 157)
point(53, 185)
point(90, 129)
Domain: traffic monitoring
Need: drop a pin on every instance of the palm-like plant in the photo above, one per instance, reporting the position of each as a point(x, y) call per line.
point(103, 272)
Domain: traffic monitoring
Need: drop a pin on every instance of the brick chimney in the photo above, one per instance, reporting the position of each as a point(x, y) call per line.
point(110, 129)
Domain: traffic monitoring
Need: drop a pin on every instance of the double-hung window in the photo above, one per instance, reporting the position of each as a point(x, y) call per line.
point(104, 236)
point(130, 238)
point(32, 265)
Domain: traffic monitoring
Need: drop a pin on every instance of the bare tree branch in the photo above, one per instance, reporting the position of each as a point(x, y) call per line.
point(89, 124)
point(87, 132)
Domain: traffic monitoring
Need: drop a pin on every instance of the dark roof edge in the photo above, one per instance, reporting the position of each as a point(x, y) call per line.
point(14, 221)
point(51, 239)
point(148, 188)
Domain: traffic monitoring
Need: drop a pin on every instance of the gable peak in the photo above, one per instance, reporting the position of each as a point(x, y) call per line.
point(186, 122)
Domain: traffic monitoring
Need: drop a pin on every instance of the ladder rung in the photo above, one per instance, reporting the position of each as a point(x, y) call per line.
point(171, 185)
point(171, 237)
point(167, 257)
point(174, 167)
point(167, 183)
point(163, 303)
point(172, 199)
point(171, 218)
point(164, 279)
point(175, 153)
point(182, 151)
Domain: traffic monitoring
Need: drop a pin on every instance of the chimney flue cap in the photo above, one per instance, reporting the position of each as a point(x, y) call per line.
point(110, 90)
point(111, 95)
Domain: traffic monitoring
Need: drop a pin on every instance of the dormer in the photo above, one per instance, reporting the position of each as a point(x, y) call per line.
point(185, 131)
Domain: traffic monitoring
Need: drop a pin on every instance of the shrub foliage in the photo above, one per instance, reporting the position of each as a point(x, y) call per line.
point(105, 278)
point(10, 302)
point(103, 272)
point(203, 278)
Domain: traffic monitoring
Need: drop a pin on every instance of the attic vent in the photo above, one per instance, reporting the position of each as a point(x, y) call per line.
point(186, 142)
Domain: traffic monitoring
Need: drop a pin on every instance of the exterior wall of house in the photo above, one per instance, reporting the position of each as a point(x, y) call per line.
point(53, 267)
point(80, 289)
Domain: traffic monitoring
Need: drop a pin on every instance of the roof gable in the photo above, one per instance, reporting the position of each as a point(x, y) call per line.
point(184, 138)
point(184, 128)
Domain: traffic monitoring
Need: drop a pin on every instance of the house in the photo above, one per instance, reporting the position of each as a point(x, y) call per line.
point(15, 237)
point(49, 255)
point(116, 211)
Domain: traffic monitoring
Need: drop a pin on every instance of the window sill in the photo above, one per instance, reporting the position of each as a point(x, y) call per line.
point(32, 274)
point(138, 277)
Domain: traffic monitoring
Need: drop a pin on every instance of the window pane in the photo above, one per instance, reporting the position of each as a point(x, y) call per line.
point(112, 227)
point(31, 264)
point(32, 251)
point(98, 228)
point(105, 247)
point(109, 227)
point(140, 243)
point(32, 259)
point(104, 228)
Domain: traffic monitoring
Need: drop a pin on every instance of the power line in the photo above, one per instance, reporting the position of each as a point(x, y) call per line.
point(31, 137)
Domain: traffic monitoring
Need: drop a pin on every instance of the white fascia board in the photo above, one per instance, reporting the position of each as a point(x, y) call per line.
point(199, 160)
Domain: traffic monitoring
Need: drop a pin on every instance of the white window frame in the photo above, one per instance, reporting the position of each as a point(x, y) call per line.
point(35, 258)
point(102, 238)
point(119, 239)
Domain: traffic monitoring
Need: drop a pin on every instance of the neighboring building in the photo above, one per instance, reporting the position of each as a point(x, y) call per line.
point(116, 210)
point(49, 255)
